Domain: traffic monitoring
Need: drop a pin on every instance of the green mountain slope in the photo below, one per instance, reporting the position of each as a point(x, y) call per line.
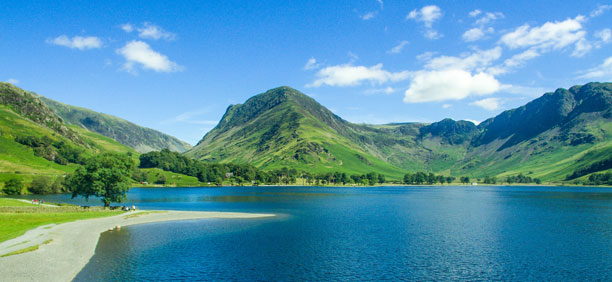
point(24, 118)
point(139, 138)
point(283, 127)
point(549, 138)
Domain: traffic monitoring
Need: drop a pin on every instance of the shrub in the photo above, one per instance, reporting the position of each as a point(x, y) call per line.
point(13, 186)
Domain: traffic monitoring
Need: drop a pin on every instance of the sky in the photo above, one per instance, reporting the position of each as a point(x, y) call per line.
point(176, 66)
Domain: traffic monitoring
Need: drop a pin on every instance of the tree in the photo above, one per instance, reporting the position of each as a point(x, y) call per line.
point(465, 179)
point(106, 176)
point(13, 186)
point(140, 175)
point(40, 185)
point(161, 179)
point(58, 185)
point(381, 178)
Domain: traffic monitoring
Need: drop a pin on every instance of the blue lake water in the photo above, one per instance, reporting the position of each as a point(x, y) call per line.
point(366, 234)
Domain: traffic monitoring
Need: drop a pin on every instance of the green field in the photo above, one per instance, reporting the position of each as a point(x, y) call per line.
point(17, 217)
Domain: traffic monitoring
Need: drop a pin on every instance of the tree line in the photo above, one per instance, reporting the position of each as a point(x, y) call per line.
point(217, 173)
point(600, 179)
point(597, 166)
point(110, 175)
point(56, 151)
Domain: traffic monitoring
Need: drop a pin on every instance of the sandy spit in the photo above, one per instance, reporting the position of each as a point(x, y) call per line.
point(74, 243)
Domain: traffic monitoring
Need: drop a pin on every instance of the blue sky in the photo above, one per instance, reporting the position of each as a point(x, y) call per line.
point(176, 66)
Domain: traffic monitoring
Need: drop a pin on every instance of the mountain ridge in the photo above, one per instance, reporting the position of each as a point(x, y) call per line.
point(566, 120)
point(139, 138)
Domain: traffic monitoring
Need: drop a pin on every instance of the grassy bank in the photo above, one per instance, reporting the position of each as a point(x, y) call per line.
point(17, 217)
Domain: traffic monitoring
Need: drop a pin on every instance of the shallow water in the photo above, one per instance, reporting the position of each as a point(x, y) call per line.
point(353, 234)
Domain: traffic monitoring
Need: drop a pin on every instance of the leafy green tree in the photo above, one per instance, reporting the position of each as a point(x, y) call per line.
point(381, 178)
point(13, 186)
point(465, 179)
point(140, 175)
point(40, 185)
point(58, 185)
point(161, 179)
point(106, 176)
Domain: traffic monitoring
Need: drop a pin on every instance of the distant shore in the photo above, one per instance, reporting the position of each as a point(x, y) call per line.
point(378, 185)
point(64, 249)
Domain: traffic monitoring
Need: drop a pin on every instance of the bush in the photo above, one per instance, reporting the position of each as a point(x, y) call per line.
point(40, 185)
point(13, 186)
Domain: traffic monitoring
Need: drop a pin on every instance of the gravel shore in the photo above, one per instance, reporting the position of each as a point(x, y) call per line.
point(73, 244)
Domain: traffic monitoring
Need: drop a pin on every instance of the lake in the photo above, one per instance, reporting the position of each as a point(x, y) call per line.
point(364, 234)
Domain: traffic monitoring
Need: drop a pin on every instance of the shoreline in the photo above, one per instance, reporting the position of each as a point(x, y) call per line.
point(64, 249)
point(387, 185)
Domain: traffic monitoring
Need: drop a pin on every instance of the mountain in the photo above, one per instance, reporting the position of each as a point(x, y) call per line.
point(550, 137)
point(35, 141)
point(139, 138)
point(284, 127)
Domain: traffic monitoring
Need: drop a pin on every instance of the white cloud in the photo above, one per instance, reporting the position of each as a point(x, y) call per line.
point(489, 18)
point(489, 104)
point(549, 36)
point(481, 30)
point(127, 27)
point(473, 121)
point(139, 52)
point(602, 71)
point(604, 35)
point(446, 106)
point(151, 31)
point(600, 10)
point(520, 58)
point(381, 4)
point(77, 42)
point(427, 15)
point(432, 34)
point(12, 81)
point(426, 56)
point(475, 13)
point(475, 61)
point(311, 64)
point(432, 86)
point(398, 48)
point(473, 34)
point(516, 61)
point(582, 47)
point(350, 75)
point(387, 90)
point(369, 15)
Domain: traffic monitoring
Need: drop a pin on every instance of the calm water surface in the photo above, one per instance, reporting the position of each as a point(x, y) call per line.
point(381, 233)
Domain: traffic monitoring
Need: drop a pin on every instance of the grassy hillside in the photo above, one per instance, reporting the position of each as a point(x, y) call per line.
point(24, 116)
point(283, 127)
point(139, 138)
point(548, 138)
